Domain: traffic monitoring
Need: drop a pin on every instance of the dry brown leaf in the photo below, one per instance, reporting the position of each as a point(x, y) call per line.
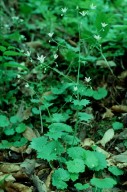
point(28, 150)
point(29, 134)
point(107, 114)
point(17, 187)
point(28, 165)
point(123, 134)
point(34, 44)
point(119, 108)
point(109, 134)
point(19, 149)
point(27, 113)
point(105, 64)
point(20, 175)
point(9, 167)
point(6, 177)
point(72, 43)
point(49, 181)
point(43, 171)
point(40, 185)
point(45, 94)
point(121, 165)
point(88, 142)
point(122, 158)
point(125, 183)
point(123, 75)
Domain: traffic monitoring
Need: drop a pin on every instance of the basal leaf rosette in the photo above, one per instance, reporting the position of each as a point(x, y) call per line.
point(106, 183)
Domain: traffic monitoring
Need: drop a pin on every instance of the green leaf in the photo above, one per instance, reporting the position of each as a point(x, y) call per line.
point(79, 186)
point(4, 121)
point(49, 97)
point(83, 91)
point(35, 100)
point(73, 151)
point(103, 183)
point(54, 127)
point(38, 143)
point(82, 102)
point(35, 111)
point(75, 166)
point(125, 143)
point(14, 64)
point(74, 176)
point(115, 170)
point(14, 119)
point(60, 89)
point(20, 143)
point(57, 130)
point(102, 163)
point(90, 159)
point(117, 125)
point(55, 134)
point(20, 128)
point(9, 131)
point(5, 144)
point(58, 117)
point(12, 53)
point(100, 93)
point(59, 178)
point(2, 48)
point(51, 151)
point(70, 139)
point(85, 116)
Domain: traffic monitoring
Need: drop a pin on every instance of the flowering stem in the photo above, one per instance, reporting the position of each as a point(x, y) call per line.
point(105, 61)
point(78, 77)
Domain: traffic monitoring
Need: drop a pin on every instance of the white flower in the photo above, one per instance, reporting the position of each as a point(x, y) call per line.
point(23, 64)
point(15, 17)
point(104, 24)
point(18, 76)
point(97, 37)
point(45, 69)
point(50, 34)
point(87, 79)
point(21, 20)
point(83, 13)
point(41, 58)
point(7, 26)
point(26, 85)
point(23, 37)
point(28, 53)
point(92, 6)
point(75, 88)
point(64, 10)
point(55, 56)
point(20, 68)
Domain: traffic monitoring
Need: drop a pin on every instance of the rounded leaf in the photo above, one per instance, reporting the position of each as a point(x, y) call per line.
point(75, 166)
point(3, 121)
point(103, 183)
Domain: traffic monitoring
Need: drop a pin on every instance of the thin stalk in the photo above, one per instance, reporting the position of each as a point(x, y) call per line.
point(106, 61)
point(41, 120)
point(78, 78)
